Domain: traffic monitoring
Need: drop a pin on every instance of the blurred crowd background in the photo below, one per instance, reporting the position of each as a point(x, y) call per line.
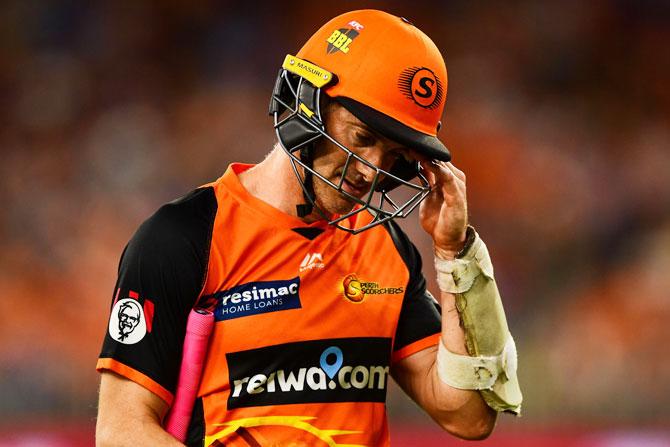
point(558, 111)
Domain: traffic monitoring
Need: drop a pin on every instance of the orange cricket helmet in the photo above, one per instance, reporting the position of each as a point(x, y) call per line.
point(388, 74)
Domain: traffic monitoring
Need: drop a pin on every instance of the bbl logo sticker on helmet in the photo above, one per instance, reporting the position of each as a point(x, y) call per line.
point(421, 86)
point(341, 38)
point(127, 323)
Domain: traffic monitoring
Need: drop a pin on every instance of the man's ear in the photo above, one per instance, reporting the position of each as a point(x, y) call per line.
point(327, 105)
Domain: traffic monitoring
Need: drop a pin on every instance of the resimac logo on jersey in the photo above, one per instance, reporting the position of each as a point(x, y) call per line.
point(257, 298)
point(333, 370)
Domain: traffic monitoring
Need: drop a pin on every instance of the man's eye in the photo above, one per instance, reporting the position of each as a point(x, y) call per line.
point(365, 140)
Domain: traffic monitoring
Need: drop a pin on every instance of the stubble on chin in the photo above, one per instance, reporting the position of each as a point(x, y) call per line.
point(330, 200)
point(328, 163)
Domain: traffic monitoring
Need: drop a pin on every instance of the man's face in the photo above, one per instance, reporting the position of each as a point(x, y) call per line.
point(129, 317)
point(329, 160)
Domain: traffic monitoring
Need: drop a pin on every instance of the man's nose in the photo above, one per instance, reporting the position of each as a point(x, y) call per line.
point(375, 156)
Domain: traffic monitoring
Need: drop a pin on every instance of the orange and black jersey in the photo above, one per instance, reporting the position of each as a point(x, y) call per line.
point(309, 319)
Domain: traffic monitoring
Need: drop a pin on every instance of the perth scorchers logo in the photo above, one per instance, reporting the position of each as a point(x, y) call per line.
point(422, 86)
point(352, 289)
point(355, 290)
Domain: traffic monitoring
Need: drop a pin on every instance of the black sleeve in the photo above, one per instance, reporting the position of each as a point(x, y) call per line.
point(161, 274)
point(420, 312)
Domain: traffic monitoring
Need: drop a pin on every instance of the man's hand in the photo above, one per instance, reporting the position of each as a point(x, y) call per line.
point(444, 213)
point(444, 216)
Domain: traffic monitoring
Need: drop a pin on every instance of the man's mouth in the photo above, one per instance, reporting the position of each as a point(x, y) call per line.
point(355, 189)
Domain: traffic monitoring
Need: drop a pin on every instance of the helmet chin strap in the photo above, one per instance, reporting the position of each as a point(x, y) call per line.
point(305, 209)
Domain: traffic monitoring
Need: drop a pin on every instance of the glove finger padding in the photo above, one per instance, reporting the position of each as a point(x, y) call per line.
point(491, 366)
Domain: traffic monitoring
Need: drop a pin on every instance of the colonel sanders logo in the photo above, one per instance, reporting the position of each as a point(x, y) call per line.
point(127, 324)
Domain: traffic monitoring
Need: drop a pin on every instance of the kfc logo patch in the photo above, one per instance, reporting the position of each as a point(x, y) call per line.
point(127, 324)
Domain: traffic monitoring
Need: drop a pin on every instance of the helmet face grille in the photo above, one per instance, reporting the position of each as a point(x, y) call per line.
point(298, 124)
